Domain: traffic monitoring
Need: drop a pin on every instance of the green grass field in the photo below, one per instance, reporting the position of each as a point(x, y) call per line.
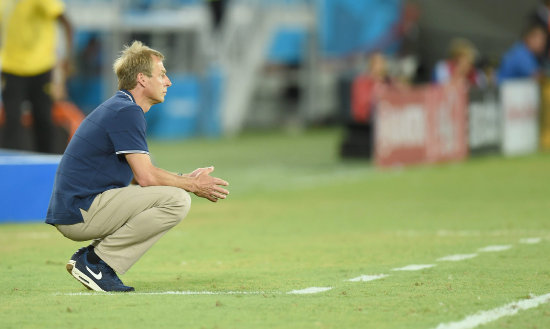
point(299, 217)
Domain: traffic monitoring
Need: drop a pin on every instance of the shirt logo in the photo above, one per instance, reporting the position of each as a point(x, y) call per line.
point(96, 276)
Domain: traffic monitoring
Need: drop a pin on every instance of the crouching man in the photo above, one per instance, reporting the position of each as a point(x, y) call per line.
point(93, 198)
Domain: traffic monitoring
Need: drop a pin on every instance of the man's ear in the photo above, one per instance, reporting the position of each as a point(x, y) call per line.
point(141, 79)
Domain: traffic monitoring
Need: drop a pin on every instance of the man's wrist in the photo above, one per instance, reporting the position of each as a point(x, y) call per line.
point(189, 183)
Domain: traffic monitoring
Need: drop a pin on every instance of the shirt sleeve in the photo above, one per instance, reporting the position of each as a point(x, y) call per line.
point(128, 132)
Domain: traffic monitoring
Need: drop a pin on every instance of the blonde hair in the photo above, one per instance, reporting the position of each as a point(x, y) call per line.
point(460, 47)
point(134, 59)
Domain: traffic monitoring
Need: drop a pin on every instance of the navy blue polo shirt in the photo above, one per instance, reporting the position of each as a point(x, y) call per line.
point(94, 160)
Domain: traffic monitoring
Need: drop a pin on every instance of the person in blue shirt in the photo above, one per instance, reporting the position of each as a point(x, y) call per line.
point(541, 17)
point(522, 61)
point(106, 188)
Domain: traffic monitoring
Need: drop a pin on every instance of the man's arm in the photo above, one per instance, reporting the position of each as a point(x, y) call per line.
point(199, 182)
point(68, 29)
point(195, 173)
point(59, 88)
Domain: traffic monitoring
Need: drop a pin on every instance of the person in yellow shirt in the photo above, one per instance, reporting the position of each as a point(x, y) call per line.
point(27, 58)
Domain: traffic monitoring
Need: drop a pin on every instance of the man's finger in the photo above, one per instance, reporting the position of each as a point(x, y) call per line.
point(221, 190)
point(219, 195)
point(204, 171)
point(219, 181)
point(196, 172)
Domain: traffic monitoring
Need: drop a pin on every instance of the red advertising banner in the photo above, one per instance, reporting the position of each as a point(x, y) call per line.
point(422, 125)
point(447, 108)
point(400, 128)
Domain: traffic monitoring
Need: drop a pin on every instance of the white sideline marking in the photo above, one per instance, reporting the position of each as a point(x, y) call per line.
point(361, 278)
point(483, 317)
point(311, 290)
point(365, 278)
point(456, 258)
point(495, 248)
point(169, 293)
point(530, 240)
point(413, 267)
point(204, 293)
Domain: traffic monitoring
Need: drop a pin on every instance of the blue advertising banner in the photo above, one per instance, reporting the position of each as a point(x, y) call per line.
point(27, 182)
point(349, 26)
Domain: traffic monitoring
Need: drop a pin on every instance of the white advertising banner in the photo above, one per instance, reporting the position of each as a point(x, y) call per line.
point(520, 101)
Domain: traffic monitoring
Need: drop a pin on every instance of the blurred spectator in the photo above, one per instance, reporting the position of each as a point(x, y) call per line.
point(541, 17)
point(366, 87)
point(459, 67)
point(521, 60)
point(28, 58)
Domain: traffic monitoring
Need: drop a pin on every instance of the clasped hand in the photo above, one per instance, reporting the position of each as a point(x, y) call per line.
point(207, 186)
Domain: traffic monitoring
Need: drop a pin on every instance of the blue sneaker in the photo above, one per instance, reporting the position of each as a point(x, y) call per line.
point(72, 261)
point(98, 277)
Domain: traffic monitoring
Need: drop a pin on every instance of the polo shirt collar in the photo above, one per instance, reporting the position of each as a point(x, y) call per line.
point(127, 94)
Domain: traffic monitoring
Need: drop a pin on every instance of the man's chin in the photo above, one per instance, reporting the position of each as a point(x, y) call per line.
point(157, 101)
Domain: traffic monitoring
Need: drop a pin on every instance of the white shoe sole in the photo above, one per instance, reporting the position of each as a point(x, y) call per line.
point(82, 278)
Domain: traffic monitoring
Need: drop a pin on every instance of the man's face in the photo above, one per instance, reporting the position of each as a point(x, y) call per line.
point(536, 41)
point(158, 83)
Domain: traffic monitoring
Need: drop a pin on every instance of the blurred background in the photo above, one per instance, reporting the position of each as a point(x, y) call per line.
point(239, 65)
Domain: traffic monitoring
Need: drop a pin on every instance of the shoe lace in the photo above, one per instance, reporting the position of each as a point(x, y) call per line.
point(79, 251)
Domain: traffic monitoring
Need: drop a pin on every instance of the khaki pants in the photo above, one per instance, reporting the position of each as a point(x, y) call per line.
point(126, 222)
